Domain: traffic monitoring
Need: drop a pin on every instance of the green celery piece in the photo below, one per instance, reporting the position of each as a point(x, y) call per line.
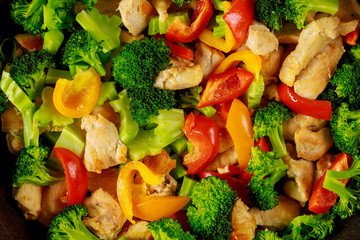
point(179, 146)
point(107, 93)
point(75, 68)
point(155, 26)
point(187, 186)
point(219, 31)
point(255, 92)
point(72, 138)
point(129, 128)
point(31, 132)
point(179, 171)
point(218, 4)
point(101, 27)
point(54, 74)
point(52, 41)
point(48, 113)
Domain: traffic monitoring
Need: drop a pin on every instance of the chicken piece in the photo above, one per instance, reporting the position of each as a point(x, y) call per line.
point(271, 93)
point(126, 37)
point(15, 142)
point(29, 197)
point(229, 157)
point(182, 74)
point(312, 40)
point(11, 120)
point(270, 65)
point(138, 231)
point(260, 40)
point(136, 15)
point(243, 222)
point(288, 34)
point(103, 148)
point(300, 182)
point(107, 112)
point(314, 78)
point(348, 10)
point(312, 145)
point(322, 165)
point(53, 201)
point(161, 7)
point(105, 217)
point(278, 217)
point(106, 180)
point(208, 58)
point(166, 188)
point(29, 41)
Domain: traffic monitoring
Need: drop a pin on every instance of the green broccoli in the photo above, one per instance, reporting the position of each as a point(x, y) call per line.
point(59, 15)
point(189, 99)
point(68, 225)
point(101, 27)
point(345, 129)
point(28, 14)
point(268, 121)
point(349, 197)
point(31, 167)
point(89, 3)
point(267, 170)
point(181, 2)
point(274, 12)
point(139, 62)
point(212, 201)
point(168, 228)
point(82, 48)
point(28, 71)
point(267, 235)
point(3, 104)
point(309, 227)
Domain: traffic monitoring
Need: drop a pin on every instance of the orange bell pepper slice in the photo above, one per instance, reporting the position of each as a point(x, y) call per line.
point(152, 208)
point(125, 184)
point(77, 98)
point(239, 126)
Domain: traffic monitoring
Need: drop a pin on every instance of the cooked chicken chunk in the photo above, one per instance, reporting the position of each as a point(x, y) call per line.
point(29, 197)
point(103, 148)
point(278, 217)
point(313, 79)
point(229, 157)
point(138, 231)
point(136, 14)
point(260, 40)
point(270, 65)
point(208, 58)
point(312, 40)
point(161, 7)
point(243, 222)
point(166, 188)
point(312, 145)
point(11, 120)
point(322, 165)
point(105, 217)
point(182, 74)
point(300, 182)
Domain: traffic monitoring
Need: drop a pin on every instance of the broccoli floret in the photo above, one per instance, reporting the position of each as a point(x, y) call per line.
point(270, 12)
point(212, 201)
point(31, 167)
point(181, 2)
point(146, 102)
point(3, 104)
point(89, 3)
point(139, 62)
point(267, 170)
point(68, 225)
point(168, 228)
point(28, 14)
point(345, 129)
point(59, 15)
point(82, 48)
point(296, 10)
point(268, 121)
point(267, 235)
point(309, 227)
point(189, 99)
point(28, 71)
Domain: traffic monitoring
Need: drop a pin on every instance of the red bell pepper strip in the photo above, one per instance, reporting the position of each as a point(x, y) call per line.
point(180, 32)
point(223, 109)
point(178, 50)
point(322, 199)
point(229, 170)
point(225, 86)
point(204, 135)
point(182, 218)
point(239, 17)
point(261, 142)
point(352, 37)
point(75, 175)
point(237, 185)
point(309, 107)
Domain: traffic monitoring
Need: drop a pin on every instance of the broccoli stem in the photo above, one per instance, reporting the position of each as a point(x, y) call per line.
point(54, 74)
point(276, 137)
point(179, 171)
point(187, 186)
point(52, 41)
point(337, 187)
point(34, 6)
point(94, 61)
point(31, 132)
point(326, 6)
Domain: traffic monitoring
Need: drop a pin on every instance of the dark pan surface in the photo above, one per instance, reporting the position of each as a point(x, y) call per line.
point(13, 225)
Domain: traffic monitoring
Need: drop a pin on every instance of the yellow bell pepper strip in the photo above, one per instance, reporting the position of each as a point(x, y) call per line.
point(252, 64)
point(77, 98)
point(152, 208)
point(223, 44)
point(125, 183)
point(239, 126)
